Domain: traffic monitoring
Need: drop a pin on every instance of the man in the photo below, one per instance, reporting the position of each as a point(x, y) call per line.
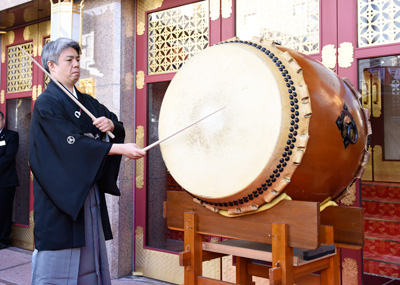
point(9, 142)
point(74, 163)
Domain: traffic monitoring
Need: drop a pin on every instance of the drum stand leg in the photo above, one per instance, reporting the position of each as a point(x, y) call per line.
point(282, 254)
point(282, 272)
point(330, 275)
point(242, 273)
point(191, 259)
point(193, 246)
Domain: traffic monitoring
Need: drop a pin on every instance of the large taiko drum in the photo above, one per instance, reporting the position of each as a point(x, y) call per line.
point(290, 126)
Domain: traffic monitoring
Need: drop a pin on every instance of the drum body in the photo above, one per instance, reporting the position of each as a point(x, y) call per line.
point(290, 125)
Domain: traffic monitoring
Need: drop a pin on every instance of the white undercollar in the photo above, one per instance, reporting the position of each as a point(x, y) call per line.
point(74, 93)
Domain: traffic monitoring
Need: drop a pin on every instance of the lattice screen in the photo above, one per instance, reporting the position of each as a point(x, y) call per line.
point(378, 22)
point(19, 68)
point(292, 23)
point(175, 35)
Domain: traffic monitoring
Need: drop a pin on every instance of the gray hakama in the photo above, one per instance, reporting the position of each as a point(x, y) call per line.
point(85, 265)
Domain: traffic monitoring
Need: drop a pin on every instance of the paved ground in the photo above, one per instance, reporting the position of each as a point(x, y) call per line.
point(15, 269)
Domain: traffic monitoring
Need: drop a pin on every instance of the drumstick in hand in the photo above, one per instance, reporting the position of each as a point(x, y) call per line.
point(177, 132)
point(110, 134)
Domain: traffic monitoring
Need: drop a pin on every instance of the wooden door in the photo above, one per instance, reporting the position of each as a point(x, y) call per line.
point(21, 83)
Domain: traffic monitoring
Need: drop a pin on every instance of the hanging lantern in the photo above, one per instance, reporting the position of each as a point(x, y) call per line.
point(66, 20)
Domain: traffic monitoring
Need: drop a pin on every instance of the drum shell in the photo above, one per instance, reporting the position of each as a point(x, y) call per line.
point(327, 167)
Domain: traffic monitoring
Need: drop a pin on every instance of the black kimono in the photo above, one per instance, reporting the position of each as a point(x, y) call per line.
point(68, 156)
point(9, 142)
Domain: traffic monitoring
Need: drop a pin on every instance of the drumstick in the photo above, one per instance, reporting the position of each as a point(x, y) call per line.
point(177, 132)
point(184, 128)
point(110, 134)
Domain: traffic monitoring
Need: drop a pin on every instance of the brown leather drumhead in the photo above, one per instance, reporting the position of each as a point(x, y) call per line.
point(251, 151)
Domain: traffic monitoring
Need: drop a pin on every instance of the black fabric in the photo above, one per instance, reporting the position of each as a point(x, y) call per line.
point(6, 210)
point(9, 142)
point(67, 157)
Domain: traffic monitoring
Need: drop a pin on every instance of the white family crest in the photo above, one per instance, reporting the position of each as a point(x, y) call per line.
point(70, 140)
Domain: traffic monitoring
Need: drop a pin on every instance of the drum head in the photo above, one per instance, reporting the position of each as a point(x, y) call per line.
point(226, 152)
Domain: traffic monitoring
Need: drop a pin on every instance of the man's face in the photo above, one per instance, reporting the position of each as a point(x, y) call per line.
point(2, 122)
point(67, 71)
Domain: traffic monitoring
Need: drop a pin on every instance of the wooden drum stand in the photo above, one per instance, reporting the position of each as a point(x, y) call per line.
point(294, 235)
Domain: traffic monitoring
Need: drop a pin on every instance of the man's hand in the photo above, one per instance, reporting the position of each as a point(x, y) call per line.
point(130, 150)
point(104, 124)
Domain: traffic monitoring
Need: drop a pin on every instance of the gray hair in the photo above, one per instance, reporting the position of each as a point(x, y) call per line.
point(52, 50)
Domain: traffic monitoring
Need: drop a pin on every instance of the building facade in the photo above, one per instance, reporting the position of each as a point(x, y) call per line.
point(131, 52)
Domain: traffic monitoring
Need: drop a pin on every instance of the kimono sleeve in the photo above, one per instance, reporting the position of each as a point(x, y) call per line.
point(65, 162)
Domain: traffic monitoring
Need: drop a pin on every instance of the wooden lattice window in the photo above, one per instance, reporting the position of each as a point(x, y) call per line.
point(19, 68)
